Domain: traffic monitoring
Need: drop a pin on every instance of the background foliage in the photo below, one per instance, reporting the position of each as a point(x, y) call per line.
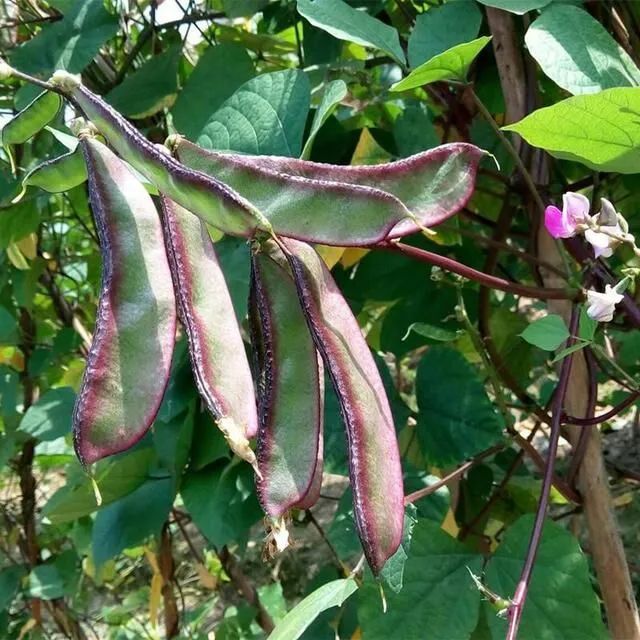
point(175, 548)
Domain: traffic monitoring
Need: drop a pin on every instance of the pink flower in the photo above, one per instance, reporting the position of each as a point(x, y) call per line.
point(564, 224)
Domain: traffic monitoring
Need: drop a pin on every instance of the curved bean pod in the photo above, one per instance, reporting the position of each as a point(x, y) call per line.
point(34, 117)
point(218, 358)
point(289, 391)
point(374, 460)
point(130, 357)
point(60, 174)
point(432, 185)
point(301, 207)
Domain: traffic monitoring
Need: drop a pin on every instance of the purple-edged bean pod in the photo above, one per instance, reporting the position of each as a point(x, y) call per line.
point(374, 460)
point(290, 397)
point(130, 357)
point(218, 357)
point(430, 186)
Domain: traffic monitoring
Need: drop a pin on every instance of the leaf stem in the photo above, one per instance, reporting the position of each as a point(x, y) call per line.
point(520, 596)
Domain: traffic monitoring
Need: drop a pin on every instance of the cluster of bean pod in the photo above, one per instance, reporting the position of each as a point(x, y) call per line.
point(160, 265)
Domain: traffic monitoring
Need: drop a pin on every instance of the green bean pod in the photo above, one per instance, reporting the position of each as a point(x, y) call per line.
point(130, 357)
point(430, 186)
point(218, 357)
point(290, 397)
point(60, 174)
point(32, 119)
point(374, 460)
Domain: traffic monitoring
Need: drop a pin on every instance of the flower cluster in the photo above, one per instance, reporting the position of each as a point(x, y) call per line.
point(604, 231)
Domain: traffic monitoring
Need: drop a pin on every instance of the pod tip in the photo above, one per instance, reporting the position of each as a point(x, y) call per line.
point(65, 81)
point(237, 440)
point(277, 539)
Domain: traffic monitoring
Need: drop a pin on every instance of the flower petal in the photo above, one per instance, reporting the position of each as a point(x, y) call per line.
point(575, 207)
point(555, 223)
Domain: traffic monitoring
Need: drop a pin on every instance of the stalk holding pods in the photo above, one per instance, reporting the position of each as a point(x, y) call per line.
point(430, 186)
point(289, 390)
point(130, 357)
point(218, 358)
point(374, 460)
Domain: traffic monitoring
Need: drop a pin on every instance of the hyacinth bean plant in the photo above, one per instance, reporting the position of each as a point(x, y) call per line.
point(439, 330)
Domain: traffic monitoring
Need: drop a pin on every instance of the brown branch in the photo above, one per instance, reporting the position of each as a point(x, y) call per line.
point(166, 565)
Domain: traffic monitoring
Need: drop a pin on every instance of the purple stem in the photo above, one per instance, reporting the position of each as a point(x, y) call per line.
point(517, 603)
point(485, 279)
point(603, 417)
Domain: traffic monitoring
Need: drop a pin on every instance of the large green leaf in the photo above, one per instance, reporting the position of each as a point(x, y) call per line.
point(115, 477)
point(546, 333)
point(69, 44)
point(601, 130)
point(577, 53)
point(9, 583)
point(230, 65)
point(518, 7)
point(221, 501)
point(437, 600)
point(561, 602)
point(456, 418)
point(346, 23)
point(265, 116)
point(443, 27)
point(452, 64)
point(331, 594)
point(129, 520)
point(334, 92)
point(8, 327)
point(150, 88)
point(50, 417)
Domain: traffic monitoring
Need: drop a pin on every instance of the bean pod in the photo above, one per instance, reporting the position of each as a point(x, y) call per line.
point(374, 460)
point(289, 389)
point(60, 174)
point(430, 186)
point(129, 360)
point(218, 358)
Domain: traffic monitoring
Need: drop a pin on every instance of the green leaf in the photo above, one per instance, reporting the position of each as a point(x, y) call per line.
point(69, 44)
point(334, 92)
point(561, 602)
point(222, 502)
point(452, 64)
point(346, 23)
point(518, 7)
point(46, 583)
point(9, 582)
point(129, 520)
point(50, 417)
point(456, 418)
point(437, 600)
point(601, 130)
point(17, 222)
point(8, 328)
point(115, 478)
point(331, 594)
point(150, 88)
point(414, 131)
point(577, 52)
point(546, 333)
point(441, 28)
point(200, 98)
point(265, 116)
point(393, 570)
point(433, 333)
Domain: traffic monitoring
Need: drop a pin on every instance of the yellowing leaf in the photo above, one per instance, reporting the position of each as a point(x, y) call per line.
point(330, 255)
point(368, 151)
point(450, 525)
point(28, 246)
point(154, 598)
point(16, 258)
point(352, 256)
